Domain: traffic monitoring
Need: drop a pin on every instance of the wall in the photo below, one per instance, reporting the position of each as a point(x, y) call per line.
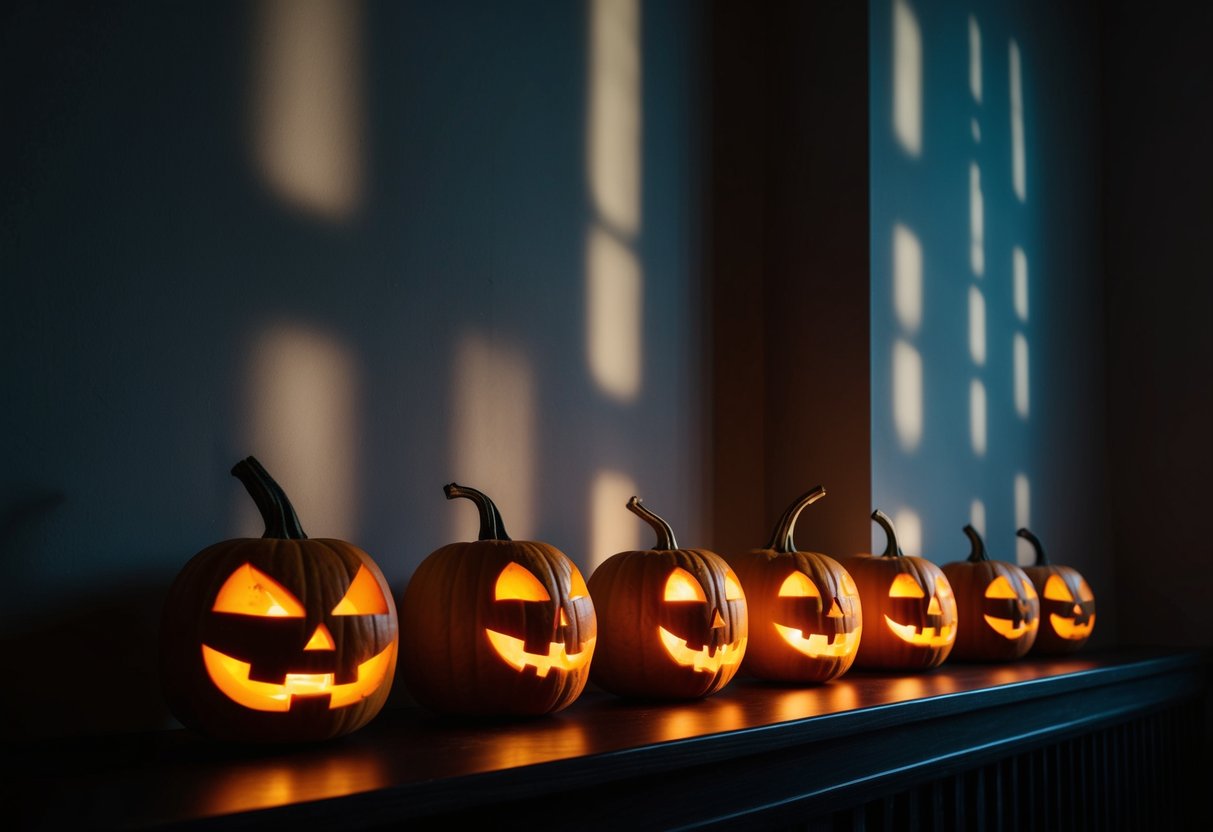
point(987, 316)
point(381, 247)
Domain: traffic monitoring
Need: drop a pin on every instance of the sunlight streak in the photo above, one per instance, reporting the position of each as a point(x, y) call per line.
point(977, 516)
point(907, 394)
point(909, 532)
point(977, 416)
point(974, 59)
point(609, 494)
point(1020, 272)
point(907, 78)
point(1018, 163)
point(303, 393)
point(1020, 353)
point(1025, 553)
point(977, 222)
point(493, 434)
point(307, 108)
point(615, 115)
point(614, 299)
point(907, 278)
point(977, 326)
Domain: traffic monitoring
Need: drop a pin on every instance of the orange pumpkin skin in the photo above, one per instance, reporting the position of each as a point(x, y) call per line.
point(654, 648)
point(931, 614)
point(453, 621)
point(805, 616)
point(317, 572)
point(998, 607)
point(1067, 604)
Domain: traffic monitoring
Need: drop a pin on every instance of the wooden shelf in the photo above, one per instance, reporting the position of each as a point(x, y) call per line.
point(748, 756)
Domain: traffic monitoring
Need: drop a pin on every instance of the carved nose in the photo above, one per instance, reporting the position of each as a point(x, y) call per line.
point(933, 607)
point(717, 621)
point(564, 618)
point(1077, 610)
point(835, 610)
point(322, 639)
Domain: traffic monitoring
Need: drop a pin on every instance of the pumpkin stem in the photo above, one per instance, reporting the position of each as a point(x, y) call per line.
point(1041, 558)
point(978, 551)
point(781, 538)
point(281, 522)
point(665, 534)
point(893, 549)
point(491, 525)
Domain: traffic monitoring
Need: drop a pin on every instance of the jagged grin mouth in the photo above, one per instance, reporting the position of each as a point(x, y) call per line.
point(928, 637)
point(818, 645)
point(512, 650)
point(704, 659)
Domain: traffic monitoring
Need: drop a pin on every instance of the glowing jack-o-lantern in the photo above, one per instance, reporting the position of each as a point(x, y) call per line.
point(1067, 604)
point(999, 607)
point(674, 623)
point(278, 638)
point(805, 618)
point(496, 626)
point(909, 606)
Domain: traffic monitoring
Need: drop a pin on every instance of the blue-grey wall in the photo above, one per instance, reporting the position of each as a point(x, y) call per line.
point(353, 240)
point(944, 115)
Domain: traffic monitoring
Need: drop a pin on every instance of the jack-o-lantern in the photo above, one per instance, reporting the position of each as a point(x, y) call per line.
point(805, 618)
point(496, 626)
point(998, 606)
point(1067, 605)
point(674, 622)
point(279, 638)
point(909, 605)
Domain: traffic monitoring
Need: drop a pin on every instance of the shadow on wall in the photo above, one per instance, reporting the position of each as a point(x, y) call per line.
point(380, 246)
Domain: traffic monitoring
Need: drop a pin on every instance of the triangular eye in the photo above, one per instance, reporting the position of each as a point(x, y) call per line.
point(682, 586)
point(516, 583)
point(1000, 587)
point(1056, 589)
point(798, 585)
point(1029, 591)
point(732, 588)
point(943, 589)
point(364, 597)
point(904, 586)
point(249, 591)
point(577, 587)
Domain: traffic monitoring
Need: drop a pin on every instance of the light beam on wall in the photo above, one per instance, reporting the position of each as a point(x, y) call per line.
point(977, 516)
point(614, 313)
point(978, 418)
point(907, 394)
point(977, 222)
point(307, 107)
point(907, 78)
point(303, 393)
point(1020, 371)
point(909, 532)
point(1019, 268)
point(1025, 554)
point(494, 430)
point(974, 59)
point(609, 532)
point(907, 278)
point(1019, 176)
point(977, 326)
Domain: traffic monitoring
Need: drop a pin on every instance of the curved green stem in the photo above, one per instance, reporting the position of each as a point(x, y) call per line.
point(491, 525)
point(893, 549)
point(781, 538)
point(978, 551)
point(665, 534)
point(281, 522)
point(1041, 558)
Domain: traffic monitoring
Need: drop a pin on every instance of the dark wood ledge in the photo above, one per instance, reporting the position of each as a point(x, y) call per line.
point(747, 757)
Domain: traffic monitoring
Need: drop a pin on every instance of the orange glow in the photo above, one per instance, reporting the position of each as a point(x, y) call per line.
point(322, 639)
point(682, 586)
point(1056, 589)
point(250, 591)
point(364, 597)
point(513, 651)
point(1028, 589)
point(818, 645)
point(1004, 627)
point(705, 659)
point(904, 586)
point(232, 677)
point(1000, 587)
point(732, 587)
point(1068, 628)
point(517, 583)
point(798, 585)
point(927, 638)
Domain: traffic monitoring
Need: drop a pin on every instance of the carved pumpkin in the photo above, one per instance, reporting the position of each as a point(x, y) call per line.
point(805, 618)
point(279, 638)
point(496, 626)
point(1067, 605)
point(674, 622)
point(998, 606)
point(909, 605)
